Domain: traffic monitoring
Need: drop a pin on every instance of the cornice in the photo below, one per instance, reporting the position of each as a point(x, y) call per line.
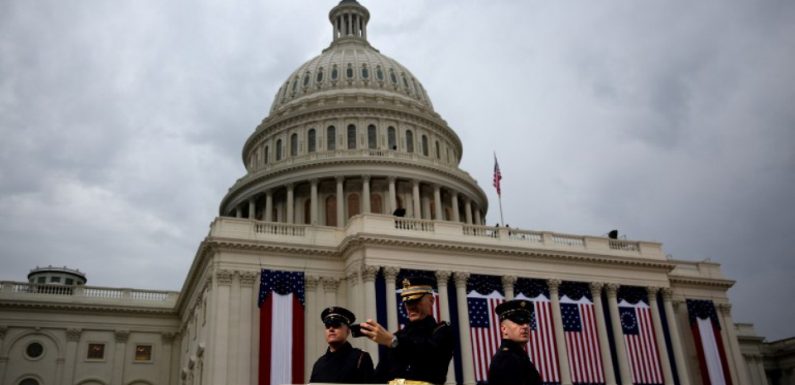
point(696, 281)
point(226, 244)
point(79, 307)
point(357, 241)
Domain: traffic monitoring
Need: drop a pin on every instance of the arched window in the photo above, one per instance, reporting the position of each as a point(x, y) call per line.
point(29, 381)
point(379, 73)
point(372, 138)
point(319, 77)
point(266, 155)
point(294, 145)
point(331, 211)
point(349, 71)
point(376, 204)
point(409, 141)
point(438, 152)
point(310, 138)
point(351, 137)
point(307, 76)
point(308, 211)
point(279, 149)
point(365, 72)
point(392, 76)
point(331, 138)
point(334, 72)
point(391, 139)
point(354, 207)
point(424, 145)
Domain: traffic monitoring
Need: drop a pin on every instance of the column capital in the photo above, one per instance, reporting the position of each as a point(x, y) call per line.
point(168, 337)
point(554, 284)
point(3, 330)
point(390, 272)
point(442, 276)
point(460, 278)
point(121, 335)
point(436, 186)
point(369, 272)
point(247, 278)
point(667, 293)
point(223, 277)
point(612, 289)
point(652, 291)
point(311, 282)
point(269, 192)
point(391, 179)
point(509, 280)
point(596, 288)
point(415, 182)
point(366, 178)
point(289, 186)
point(725, 308)
point(339, 178)
point(73, 334)
point(330, 283)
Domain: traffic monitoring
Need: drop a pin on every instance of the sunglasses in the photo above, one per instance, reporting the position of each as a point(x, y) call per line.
point(333, 324)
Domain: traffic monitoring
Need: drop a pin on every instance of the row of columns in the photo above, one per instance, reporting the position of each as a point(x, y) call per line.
point(421, 206)
point(460, 278)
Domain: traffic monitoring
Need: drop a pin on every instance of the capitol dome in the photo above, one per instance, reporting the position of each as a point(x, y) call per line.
point(349, 132)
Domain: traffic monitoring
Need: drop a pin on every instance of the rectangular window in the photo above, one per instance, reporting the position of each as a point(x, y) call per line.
point(96, 352)
point(143, 353)
point(41, 280)
point(70, 281)
point(55, 279)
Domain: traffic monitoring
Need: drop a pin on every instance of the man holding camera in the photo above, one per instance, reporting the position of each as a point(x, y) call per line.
point(342, 363)
point(419, 353)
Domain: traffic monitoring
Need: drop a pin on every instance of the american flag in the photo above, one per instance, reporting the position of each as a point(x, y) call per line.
point(497, 176)
point(484, 330)
point(640, 342)
point(281, 336)
point(541, 347)
point(582, 341)
point(706, 333)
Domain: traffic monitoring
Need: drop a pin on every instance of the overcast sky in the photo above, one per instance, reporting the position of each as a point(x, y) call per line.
point(122, 124)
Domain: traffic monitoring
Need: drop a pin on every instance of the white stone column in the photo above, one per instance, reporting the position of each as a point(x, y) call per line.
point(365, 194)
point(478, 219)
point(119, 356)
point(676, 338)
point(507, 286)
point(753, 374)
point(467, 365)
point(468, 210)
point(760, 366)
point(355, 302)
point(560, 337)
point(233, 331)
point(618, 336)
point(248, 307)
point(330, 285)
point(601, 329)
point(392, 195)
point(311, 323)
point(268, 217)
point(167, 339)
point(313, 206)
point(368, 277)
point(219, 333)
point(290, 204)
point(442, 277)
point(738, 371)
point(238, 212)
point(415, 192)
point(437, 202)
point(662, 348)
point(454, 204)
point(252, 208)
point(3, 361)
point(426, 207)
point(390, 274)
point(72, 339)
point(340, 202)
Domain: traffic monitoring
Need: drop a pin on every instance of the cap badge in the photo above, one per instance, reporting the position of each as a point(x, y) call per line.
point(406, 283)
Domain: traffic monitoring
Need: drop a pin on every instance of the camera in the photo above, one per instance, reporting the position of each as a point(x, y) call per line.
point(356, 331)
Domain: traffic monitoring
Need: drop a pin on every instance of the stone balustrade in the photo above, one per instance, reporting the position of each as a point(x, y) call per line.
point(87, 294)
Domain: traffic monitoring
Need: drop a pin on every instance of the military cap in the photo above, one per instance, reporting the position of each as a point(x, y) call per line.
point(517, 310)
point(337, 314)
point(415, 287)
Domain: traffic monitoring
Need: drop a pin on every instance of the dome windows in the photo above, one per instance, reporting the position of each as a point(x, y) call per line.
point(306, 78)
point(351, 137)
point(392, 76)
point(349, 71)
point(390, 134)
point(365, 71)
point(311, 140)
point(334, 72)
point(379, 73)
point(319, 76)
point(409, 141)
point(424, 145)
point(372, 137)
point(279, 150)
point(294, 145)
point(331, 135)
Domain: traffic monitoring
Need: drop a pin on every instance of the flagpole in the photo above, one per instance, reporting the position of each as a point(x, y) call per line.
point(499, 198)
point(496, 182)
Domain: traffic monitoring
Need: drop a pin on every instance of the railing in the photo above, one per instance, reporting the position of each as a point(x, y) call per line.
point(568, 240)
point(280, 229)
point(616, 244)
point(413, 224)
point(481, 231)
point(525, 235)
point(24, 288)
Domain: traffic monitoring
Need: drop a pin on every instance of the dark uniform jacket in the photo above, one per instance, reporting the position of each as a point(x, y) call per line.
point(511, 366)
point(424, 350)
point(346, 365)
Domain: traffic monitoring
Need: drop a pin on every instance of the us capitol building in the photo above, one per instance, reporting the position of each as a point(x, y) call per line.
point(352, 139)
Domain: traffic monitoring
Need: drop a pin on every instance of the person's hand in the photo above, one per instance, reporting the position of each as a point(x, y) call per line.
point(376, 333)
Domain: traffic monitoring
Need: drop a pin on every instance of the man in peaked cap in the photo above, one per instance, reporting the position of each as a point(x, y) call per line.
point(342, 363)
point(511, 365)
point(419, 353)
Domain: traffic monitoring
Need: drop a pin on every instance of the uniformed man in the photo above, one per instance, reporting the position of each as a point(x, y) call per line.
point(511, 365)
point(342, 363)
point(419, 353)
